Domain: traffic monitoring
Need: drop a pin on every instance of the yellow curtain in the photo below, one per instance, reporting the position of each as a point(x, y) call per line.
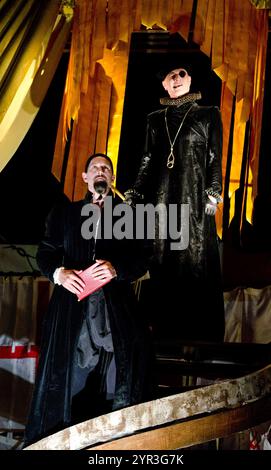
point(261, 3)
point(242, 70)
point(34, 34)
point(95, 86)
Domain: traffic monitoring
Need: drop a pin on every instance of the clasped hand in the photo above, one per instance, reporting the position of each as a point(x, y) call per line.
point(70, 279)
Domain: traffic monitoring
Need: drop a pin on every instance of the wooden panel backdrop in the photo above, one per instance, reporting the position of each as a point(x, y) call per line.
point(233, 34)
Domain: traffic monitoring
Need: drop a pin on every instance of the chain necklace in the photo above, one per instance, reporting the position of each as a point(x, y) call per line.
point(171, 157)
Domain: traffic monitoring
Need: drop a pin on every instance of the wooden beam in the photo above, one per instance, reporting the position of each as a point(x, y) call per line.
point(195, 431)
point(169, 411)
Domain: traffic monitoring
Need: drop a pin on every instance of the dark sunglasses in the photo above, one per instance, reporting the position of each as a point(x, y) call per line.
point(182, 74)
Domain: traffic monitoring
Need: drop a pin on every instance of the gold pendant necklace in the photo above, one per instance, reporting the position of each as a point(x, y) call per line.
point(171, 157)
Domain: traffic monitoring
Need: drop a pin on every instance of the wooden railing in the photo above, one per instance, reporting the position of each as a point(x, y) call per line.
point(186, 418)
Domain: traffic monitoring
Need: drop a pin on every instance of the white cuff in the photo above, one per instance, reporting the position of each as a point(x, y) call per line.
point(212, 199)
point(56, 275)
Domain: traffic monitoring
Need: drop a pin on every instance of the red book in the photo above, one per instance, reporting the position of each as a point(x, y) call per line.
point(92, 284)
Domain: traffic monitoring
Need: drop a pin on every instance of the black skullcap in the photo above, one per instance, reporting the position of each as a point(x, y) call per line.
point(98, 155)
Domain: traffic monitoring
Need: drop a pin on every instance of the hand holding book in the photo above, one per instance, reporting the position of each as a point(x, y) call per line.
point(95, 277)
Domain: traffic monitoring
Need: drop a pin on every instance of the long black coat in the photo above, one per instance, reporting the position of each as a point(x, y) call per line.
point(189, 279)
point(63, 245)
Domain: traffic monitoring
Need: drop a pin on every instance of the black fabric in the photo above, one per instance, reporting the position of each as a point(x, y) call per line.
point(63, 245)
point(189, 299)
point(92, 399)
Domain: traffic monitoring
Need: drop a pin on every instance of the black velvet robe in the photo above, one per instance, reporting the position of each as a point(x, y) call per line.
point(190, 300)
point(63, 245)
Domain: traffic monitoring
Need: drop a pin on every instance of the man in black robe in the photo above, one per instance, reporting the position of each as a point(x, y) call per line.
point(181, 168)
point(95, 354)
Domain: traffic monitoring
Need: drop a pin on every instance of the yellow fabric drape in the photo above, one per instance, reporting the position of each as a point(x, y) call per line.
point(96, 101)
point(257, 103)
point(243, 70)
point(206, 46)
point(34, 38)
point(261, 3)
point(200, 21)
point(15, 23)
point(234, 35)
point(95, 86)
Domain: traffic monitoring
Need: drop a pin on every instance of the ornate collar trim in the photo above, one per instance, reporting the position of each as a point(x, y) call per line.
point(187, 98)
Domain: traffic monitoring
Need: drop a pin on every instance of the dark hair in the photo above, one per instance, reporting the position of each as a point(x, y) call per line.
point(98, 155)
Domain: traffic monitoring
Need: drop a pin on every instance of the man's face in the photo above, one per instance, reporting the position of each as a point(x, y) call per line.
point(99, 176)
point(177, 83)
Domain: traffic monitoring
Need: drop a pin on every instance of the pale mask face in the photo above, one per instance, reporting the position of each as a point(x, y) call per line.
point(177, 83)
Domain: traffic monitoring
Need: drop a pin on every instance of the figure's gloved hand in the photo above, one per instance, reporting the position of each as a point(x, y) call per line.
point(211, 206)
point(132, 197)
point(129, 197)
